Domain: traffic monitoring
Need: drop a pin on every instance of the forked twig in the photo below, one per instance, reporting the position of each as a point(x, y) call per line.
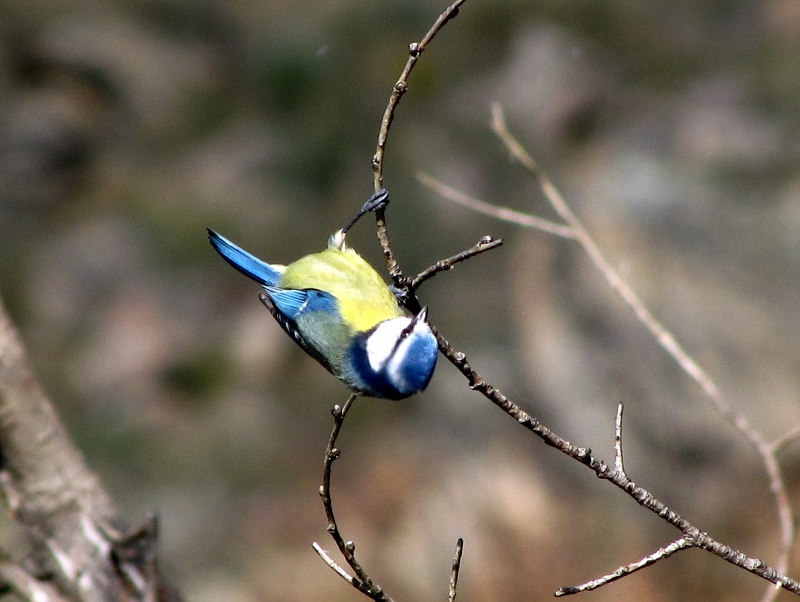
point(660, 554)
point(406, 287)
point(696, 538)
point(664, 338)
point(361, 581)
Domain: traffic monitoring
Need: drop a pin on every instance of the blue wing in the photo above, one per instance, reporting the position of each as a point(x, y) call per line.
point(290, 305)
point(247, 264)
point(292, 302)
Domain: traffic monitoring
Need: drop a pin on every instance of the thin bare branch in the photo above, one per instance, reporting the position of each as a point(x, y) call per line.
point(785, 440)
point(332, 563)
point(362, 581)
point(662, 553)
point(619, 464)
point(415, 50)
point(451, 597)
point(27, 587)
point(501, 213)
point(487, 243)
point(664, 338)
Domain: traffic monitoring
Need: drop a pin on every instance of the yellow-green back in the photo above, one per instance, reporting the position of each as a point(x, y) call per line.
point(364, 298)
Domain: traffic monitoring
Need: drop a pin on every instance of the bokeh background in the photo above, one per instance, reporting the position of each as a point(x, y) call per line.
point(127, 127)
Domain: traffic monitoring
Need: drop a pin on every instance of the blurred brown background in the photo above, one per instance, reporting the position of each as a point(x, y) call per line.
point(126, 127)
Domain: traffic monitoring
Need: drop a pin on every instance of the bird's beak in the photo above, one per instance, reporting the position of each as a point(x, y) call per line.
point(422, 316)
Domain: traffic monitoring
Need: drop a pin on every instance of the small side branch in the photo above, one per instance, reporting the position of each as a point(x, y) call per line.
point(619, 464)
point(785, 440)
point(502, 213)
point(333, 564)
point(407, 294)
point(676, 546)
point(451, 597)
point(487, 243)
point(619, 473)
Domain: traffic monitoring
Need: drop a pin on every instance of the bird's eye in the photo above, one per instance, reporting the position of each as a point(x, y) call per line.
point(404, 334)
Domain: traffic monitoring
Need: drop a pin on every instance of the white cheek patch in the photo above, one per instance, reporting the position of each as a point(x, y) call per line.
point(381, 343)
point(393, 368)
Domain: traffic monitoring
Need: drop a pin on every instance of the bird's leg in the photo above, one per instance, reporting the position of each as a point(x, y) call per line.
point(379, 200)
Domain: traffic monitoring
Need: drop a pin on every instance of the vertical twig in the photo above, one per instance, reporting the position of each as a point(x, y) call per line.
point(451, 597)
point(619, 463)
point(361, 581)
point(415, 49)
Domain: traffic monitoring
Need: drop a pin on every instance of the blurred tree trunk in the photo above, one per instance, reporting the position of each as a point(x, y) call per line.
point(80, 547)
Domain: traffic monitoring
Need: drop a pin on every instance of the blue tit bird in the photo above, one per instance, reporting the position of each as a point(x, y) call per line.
point(340, 311)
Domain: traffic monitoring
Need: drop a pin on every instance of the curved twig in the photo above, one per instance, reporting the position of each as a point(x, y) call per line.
point(415, 49)
point(361, 581)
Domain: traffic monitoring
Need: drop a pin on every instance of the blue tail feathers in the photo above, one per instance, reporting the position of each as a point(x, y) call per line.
point(247, 264)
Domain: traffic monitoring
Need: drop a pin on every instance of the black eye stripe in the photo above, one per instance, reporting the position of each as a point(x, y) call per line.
point(404, 334)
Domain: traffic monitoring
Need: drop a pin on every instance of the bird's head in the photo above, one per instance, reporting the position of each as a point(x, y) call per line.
point(396, 359)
